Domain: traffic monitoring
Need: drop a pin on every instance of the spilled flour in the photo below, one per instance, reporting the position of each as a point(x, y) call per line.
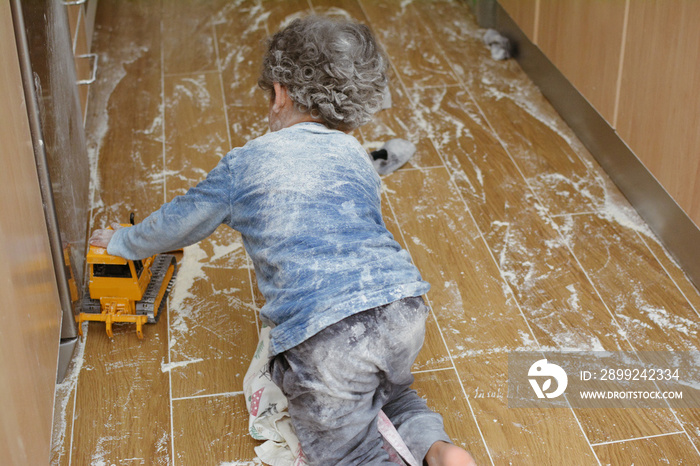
point(525, 95)
point(112, 71)
point(573, 299)
point(253, 462)
point(63, 393)
point(623, 214)
point(663, 319)
point(186, 299)
point(224, 250)
point(190, 269)
point(172, 365)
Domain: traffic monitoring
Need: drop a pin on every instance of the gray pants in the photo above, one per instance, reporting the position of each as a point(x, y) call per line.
point(337, 381)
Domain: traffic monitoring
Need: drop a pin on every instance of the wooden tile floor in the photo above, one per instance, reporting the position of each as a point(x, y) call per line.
point(526, 242)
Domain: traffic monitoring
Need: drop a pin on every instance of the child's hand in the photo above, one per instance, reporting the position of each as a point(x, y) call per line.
point(101, 238)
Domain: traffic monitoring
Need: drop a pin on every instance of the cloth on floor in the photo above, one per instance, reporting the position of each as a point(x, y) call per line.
point(392, 155)
point(267, 405)
point(498, 44)
point(269, 419)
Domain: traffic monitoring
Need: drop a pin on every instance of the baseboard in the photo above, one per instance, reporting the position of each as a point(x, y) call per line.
point(65, 354)
point(654, 204)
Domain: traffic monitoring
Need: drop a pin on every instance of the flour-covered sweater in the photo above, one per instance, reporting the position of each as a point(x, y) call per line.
point(306, 200)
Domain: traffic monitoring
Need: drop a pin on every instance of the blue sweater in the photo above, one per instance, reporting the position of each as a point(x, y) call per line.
point(306, 200)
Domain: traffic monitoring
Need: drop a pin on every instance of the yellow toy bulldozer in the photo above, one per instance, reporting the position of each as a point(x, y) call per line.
point(124, 290)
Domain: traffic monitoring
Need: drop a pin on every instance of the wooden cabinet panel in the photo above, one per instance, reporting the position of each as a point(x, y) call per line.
point(30, 312)
point(659, 113)
point(583, 39)
point(523, 12)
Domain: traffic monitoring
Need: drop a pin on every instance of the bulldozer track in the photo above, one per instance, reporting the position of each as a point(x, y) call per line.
point(147, 305)
point(152, 298)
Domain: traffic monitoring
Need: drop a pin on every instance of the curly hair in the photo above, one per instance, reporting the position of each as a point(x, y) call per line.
point(333, 70)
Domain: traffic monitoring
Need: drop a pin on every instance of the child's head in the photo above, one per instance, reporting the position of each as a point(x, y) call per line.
point(333, 70)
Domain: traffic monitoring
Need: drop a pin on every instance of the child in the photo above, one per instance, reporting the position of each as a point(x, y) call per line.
point(341, 295)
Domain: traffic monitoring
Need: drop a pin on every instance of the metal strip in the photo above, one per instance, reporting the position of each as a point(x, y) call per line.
point(654, 204)
point(93, 75)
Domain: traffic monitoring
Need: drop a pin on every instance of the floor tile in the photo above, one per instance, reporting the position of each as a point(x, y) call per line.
point(124, 121)
point(196, 136)
point(212, 431)
point(669, 449)
point(645, 302)
point(441, 389)
point(241, 39)
point(440, 237)
point(434, 354)
point(214, 331)
point(188, 39)
point(410, 47)
point(122, 407)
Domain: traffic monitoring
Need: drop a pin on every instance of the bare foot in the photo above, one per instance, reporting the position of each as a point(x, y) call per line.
point(446, 454)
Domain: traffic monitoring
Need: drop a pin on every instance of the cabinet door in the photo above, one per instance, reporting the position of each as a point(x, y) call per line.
point(30, 310)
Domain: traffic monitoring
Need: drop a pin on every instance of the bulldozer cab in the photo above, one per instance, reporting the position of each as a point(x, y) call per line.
point(112, 276)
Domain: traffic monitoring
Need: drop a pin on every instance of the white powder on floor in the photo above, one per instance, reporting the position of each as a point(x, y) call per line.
point(172, 365)
point(624, 215)
point(573, 299)
point(254, 462)
point(524, 94)
point(63, 393)
point(528, 343)
point(195, 90)
point(418, 242)
point(190, 269)
point(224, 250)
point(665, 320)
point(574, 340)
point(112, 69)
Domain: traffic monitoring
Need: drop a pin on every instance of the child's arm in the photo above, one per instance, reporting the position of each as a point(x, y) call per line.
point(185, 220)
